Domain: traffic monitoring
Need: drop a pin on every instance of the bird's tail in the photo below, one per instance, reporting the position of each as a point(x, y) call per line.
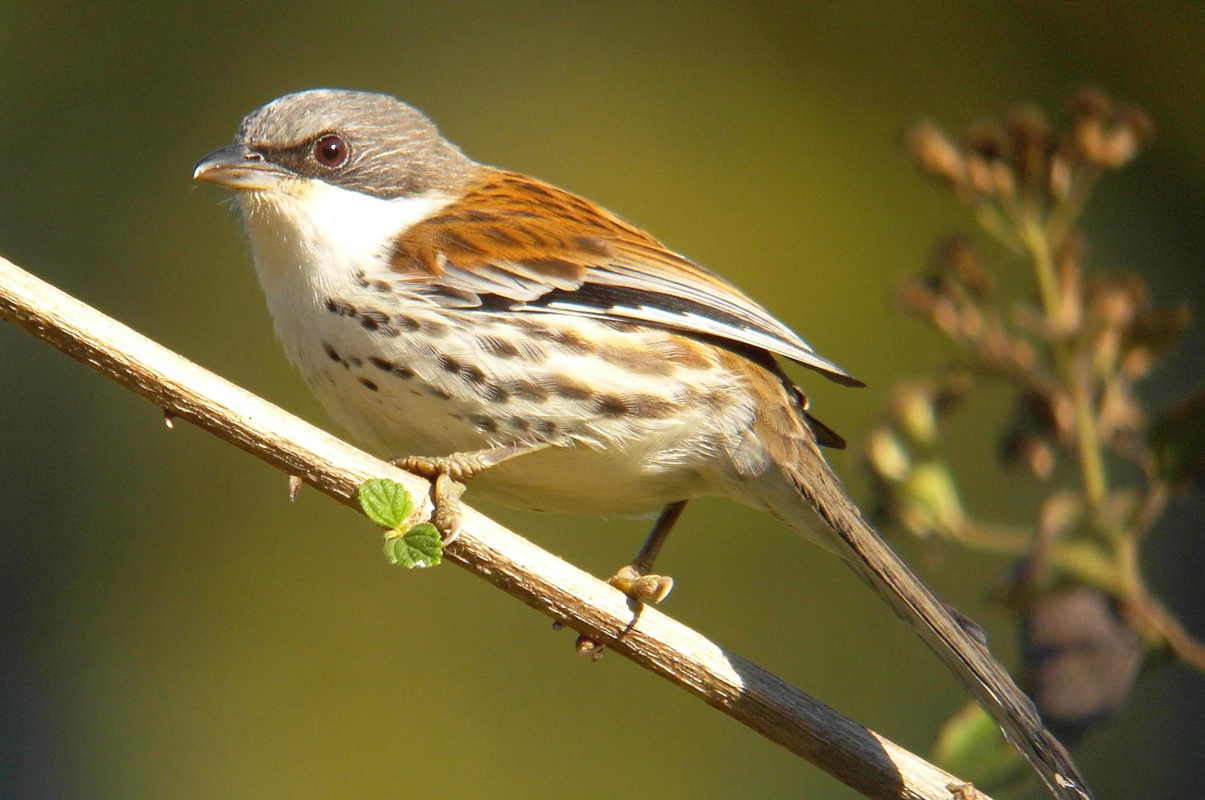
point(956, 642)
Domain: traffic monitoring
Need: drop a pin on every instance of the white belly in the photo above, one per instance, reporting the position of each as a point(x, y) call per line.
point(626, 442)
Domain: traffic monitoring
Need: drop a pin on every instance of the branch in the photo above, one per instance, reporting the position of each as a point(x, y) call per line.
point(846, 750)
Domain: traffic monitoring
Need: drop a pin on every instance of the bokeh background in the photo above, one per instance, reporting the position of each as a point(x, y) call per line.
point(171, 626)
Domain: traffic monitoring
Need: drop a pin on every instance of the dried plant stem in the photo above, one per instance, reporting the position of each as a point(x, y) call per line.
point(1035, 237)
point(999, 539)
point(850, 752)
point(1073, 355)
point(1064, 214)
point(1152, 616)
point(1146, 614)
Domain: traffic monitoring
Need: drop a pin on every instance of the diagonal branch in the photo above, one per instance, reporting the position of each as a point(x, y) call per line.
point(850, 752)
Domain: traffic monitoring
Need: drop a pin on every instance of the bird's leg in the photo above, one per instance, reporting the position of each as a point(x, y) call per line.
point(448, 475)
point(635, 580)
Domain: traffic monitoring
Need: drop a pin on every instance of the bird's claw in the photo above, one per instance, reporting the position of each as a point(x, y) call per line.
point(447, 474)
point(641, 587)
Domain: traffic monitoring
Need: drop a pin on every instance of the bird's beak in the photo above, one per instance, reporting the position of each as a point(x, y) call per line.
point(238, 167)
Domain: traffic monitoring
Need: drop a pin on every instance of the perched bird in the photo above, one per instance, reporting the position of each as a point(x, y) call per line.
point(489, 325)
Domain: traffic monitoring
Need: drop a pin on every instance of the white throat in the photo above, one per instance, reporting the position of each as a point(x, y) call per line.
point(321, 234)
point(312, 240)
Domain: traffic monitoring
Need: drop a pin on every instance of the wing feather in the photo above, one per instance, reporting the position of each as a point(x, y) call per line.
point(519, 241)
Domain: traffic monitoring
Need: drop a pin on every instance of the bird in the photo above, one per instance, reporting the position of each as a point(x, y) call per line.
point(485, 326)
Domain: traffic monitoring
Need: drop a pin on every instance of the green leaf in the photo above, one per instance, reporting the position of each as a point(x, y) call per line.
point(421, 546)
point(971, 746)
point(1178, 439)
point(385, 502)
point(930, 501)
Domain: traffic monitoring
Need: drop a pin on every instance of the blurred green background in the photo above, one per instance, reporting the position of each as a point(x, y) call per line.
point(173, 627)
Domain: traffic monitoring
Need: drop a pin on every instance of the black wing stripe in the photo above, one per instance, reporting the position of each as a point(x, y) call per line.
point(682, 314)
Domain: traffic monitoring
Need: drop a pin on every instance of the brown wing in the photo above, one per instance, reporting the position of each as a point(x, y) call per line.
point(515, 240)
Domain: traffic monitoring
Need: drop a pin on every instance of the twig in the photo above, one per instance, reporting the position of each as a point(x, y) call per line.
point(850, 752)
point(1079, 381)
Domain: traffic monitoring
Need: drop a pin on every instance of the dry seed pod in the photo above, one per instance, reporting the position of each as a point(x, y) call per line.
point(887, 457)
point(1030, 452)
point(1030, 145)
point(934, 153)
point(957, 256)
point(1105, 133)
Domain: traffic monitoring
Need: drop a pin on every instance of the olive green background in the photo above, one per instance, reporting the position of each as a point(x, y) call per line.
point(172, 627)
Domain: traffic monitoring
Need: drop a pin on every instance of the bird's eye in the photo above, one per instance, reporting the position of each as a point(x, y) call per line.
point(330, 151)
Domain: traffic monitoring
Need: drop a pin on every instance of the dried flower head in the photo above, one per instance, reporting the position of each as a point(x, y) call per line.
point(1030, 147)
point(1106, 134)
point(1071, 353)
point(935, 154)
point(1032, 453)
point(957, 256)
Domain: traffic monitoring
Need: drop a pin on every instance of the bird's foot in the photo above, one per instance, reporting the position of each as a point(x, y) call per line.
point(447, 475)
point(640, 586)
